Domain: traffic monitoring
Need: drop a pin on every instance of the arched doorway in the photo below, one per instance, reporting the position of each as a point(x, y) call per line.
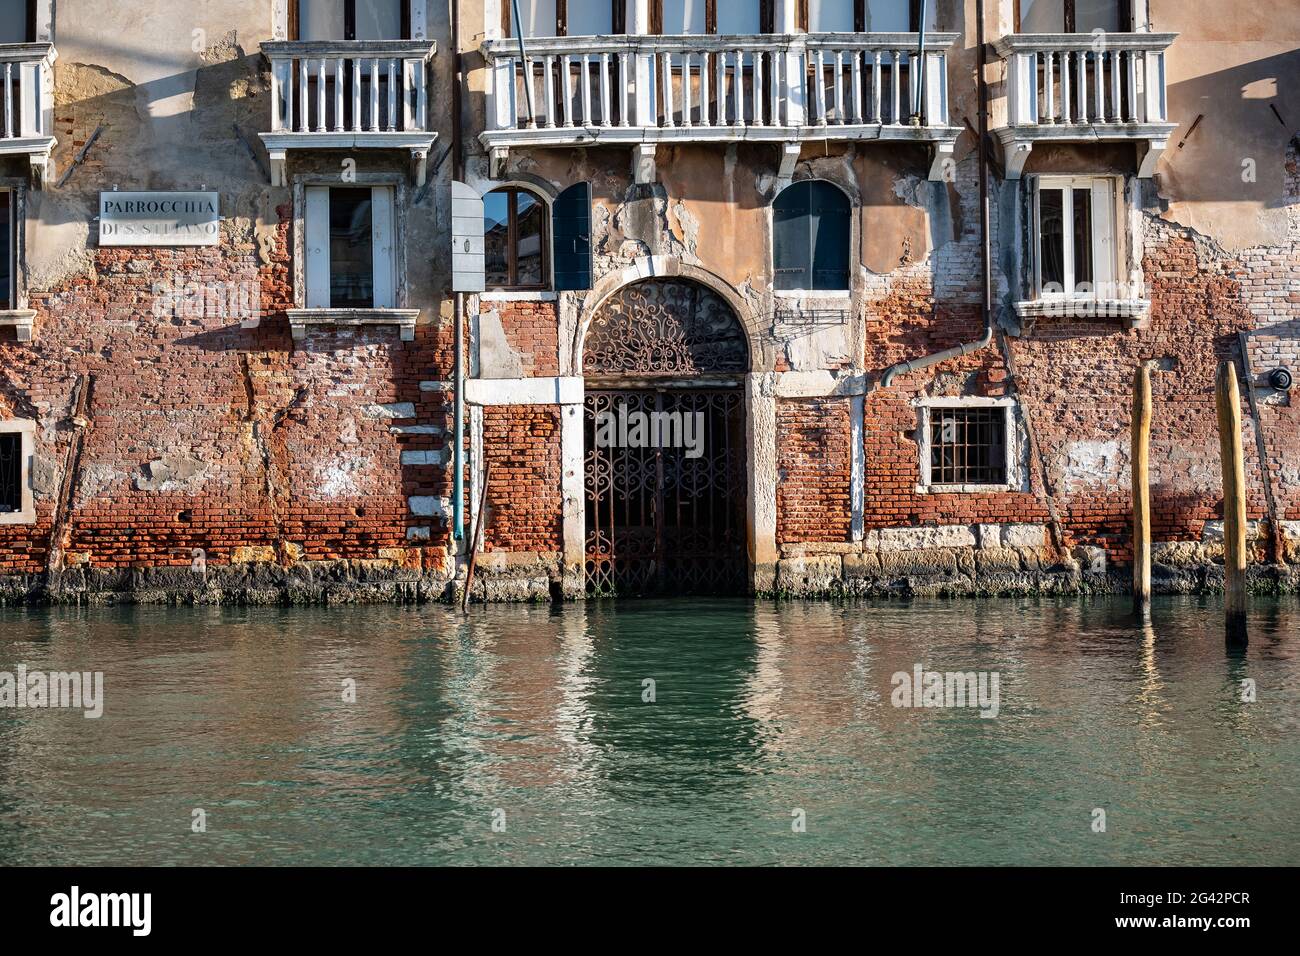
point(664, 361)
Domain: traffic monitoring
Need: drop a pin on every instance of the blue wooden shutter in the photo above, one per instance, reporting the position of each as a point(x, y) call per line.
point(571, 229)
point(828, 236)
point(791, 250)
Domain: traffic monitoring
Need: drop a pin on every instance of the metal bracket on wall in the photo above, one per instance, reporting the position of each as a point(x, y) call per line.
point(81, 154)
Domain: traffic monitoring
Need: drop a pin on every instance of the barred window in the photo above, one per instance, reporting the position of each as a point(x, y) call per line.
point(11, 472)
point(968, 446)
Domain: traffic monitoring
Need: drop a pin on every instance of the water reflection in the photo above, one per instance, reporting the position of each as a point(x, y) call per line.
point(540, 718)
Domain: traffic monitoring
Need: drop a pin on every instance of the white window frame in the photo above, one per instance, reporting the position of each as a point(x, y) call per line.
point(1014, 447)
point(387, 262)
point(280, 19)
point(18, 316)
point(14, 225)
point(1107, 237)
point(27, 510)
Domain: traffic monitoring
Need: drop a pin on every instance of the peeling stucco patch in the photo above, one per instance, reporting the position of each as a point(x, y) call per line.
point(172, 473)
point(1091, 463)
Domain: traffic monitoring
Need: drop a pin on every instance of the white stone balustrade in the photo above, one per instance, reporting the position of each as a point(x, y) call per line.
point(1089, 87)
point(785, 88)
point(347, 95)
point(27, 118)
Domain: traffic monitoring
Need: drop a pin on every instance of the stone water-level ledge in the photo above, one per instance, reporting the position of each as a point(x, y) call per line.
point(932, 538)
point(940, 558)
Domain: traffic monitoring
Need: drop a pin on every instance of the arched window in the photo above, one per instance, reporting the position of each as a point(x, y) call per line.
point(810, 237)
point(515, 240)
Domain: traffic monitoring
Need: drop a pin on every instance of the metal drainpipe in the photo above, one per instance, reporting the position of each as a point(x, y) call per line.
point(458, 373)
point(916, 364)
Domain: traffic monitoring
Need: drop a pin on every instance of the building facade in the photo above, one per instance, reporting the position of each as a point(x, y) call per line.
point(715, 274)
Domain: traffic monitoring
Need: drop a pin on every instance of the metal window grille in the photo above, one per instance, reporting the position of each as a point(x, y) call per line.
point(968, 446)
point(11, 468)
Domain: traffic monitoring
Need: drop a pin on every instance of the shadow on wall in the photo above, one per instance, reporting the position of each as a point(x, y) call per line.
point(173, 132)
point(1250, 113)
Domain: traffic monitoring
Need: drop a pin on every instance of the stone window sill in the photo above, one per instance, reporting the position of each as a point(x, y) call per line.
point(798, 294)
point(300, 320)
point(966, 489)
point(22, 321)
point(1133, 313)
point(518, 295)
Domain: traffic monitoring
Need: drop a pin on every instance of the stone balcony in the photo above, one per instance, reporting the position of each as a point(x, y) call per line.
point(342, 94)
point(1085, 88)
point(27, 120)
point(784, 89)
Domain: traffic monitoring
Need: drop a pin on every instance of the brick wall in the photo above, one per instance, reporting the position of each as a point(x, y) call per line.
point(522, 445)
point(205, 434)
point(532, 331)
point(813, 478)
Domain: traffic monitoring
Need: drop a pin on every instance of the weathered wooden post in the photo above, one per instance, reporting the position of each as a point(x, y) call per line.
point(1228, 400)
point(1142, 495)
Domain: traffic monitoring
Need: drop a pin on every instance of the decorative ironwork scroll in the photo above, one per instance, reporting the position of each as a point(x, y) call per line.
point(665, 327)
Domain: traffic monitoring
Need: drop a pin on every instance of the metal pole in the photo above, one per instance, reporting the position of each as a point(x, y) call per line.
point(528, 69)
point(920, 61)
point(458, 429)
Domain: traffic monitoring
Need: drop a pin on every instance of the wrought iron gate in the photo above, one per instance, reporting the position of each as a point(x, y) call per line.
point(662, 518)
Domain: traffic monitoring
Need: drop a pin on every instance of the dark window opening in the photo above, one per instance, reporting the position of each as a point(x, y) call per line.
point(352, 258)
point(17, 21)
point(562, 18)
point(7, 245)
point(968, 446)
point(859, 16)
point(349, 20)
point(1073, 16)
point(514, 240)
point(810, 237)
point(1051, 228)
point(1082, 236)
point(11, 473)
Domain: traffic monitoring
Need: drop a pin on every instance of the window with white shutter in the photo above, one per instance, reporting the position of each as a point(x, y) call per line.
point(1076, 247)
point(351, 260)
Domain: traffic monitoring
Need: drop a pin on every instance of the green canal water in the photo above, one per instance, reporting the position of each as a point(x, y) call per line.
point(537, 718)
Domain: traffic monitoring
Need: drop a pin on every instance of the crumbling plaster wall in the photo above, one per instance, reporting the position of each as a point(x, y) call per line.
point(202, 433)
point(1235, 67)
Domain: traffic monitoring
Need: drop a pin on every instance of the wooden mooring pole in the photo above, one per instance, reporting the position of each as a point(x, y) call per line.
point(1228, 400)
point(478, 531)
point(1142, 495)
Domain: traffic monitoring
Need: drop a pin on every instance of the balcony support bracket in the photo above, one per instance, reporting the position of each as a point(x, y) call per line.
point(942, 167)
point(643, 163)
point(1015, 153)
point(1149, 153)
point(279, 159)
point(419, 166)
point(500, 157)
point(42, 169)
point(789, 159)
